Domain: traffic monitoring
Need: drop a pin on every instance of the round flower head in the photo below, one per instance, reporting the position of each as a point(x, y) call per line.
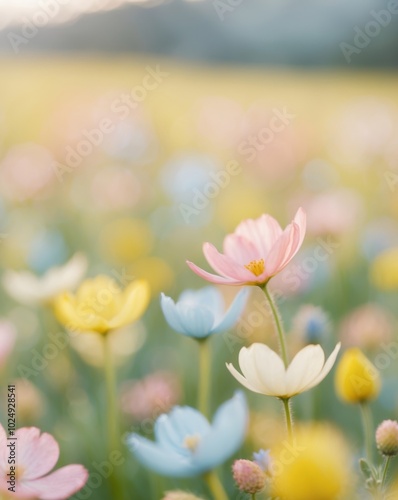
point(27, 288)
point(257, 250)
point(318, 466)
point(248, 476)
point(311, 324)
point(37, 455)
point(264, 372)
point(357, 380)
point(99, 305)
point(200, 313)
point(187, 445)
point(387, 438)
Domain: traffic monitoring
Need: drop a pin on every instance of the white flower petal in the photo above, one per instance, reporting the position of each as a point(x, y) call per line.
point(325, 370)
point(249, 369)
point(270, 369)
point(241, 379)
point(304, 368)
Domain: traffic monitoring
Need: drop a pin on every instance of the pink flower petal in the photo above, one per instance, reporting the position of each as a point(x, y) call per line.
point(225, 266)
point(262, 232)
point(284, 250)
point(213, 278)
point(59, 485)
point(37, 454)
point(240, 249)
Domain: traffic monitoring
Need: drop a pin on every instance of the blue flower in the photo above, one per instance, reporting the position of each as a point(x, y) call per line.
point(187, 444)
point(262, 459)
point(200, 313)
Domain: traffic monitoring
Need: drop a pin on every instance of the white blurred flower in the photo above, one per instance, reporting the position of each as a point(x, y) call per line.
point(264, 372)
point(27, 288)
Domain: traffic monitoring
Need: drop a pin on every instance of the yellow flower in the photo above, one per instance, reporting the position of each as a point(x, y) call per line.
point(357, 379)
point(384, 270)
point(100, 305)
point(316, 465)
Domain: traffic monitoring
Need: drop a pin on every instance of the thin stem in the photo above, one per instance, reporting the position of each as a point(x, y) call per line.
point(385, 469)
point(278, 323)
point(204, 376)
point(366, 416)
point(215, 486)
point(112, 415)
point(110, 380)
point(253, 496)
point(289, 420)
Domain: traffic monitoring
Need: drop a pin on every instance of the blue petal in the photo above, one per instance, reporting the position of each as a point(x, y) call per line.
point(160, 460)
point(172, 429)
point(196, 321)
point(234, 311)
point(208, 297)
point(170, 313)
point(226, 435)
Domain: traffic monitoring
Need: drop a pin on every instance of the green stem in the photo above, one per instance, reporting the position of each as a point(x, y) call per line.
point(385, 469)
point(289, 420)
point(112, 415)
point(253, 496)
point(366, 417)
point(215, 486)
point(204, 376)
point(278, 324)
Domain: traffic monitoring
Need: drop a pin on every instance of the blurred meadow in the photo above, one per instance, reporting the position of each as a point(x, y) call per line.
point(139, 199)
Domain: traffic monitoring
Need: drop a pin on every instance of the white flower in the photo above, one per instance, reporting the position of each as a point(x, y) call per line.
point(27, 288)
point(264, 372)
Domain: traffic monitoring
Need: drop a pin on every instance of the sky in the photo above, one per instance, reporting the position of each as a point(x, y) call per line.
point(54, 11)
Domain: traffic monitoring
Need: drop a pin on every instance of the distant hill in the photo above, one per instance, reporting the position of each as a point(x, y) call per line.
point(278, 32)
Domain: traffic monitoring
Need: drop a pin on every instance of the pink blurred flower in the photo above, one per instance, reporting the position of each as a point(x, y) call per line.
point(334, 212)
point(37, 454)
point(367, 327)
point(8, 336)
point(257, 250)
point(151, 396)
point(26, 173)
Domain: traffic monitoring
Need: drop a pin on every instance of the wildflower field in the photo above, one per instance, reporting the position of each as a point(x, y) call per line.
point(199, 281)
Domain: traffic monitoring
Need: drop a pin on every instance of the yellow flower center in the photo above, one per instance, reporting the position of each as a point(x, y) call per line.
point(191, 442)
point(256, 267)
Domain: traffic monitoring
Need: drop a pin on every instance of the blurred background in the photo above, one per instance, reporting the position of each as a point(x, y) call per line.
point(134, 131)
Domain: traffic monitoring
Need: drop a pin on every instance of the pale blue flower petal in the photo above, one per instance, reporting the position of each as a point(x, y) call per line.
point(196, 322)
point(234, 311)
point(169, 309)
point(173, 428)
point(209, 297)
point(160, 460)
point(226, 435)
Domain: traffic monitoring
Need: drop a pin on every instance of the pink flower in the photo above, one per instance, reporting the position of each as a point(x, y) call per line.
point(255, 252)
point(36, 455)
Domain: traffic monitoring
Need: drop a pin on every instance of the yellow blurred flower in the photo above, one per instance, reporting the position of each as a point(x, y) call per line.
point(357, 380)
point(156, 271)
point(315, 466)
point(384, 270)
point(99, 305)
point(124, 240)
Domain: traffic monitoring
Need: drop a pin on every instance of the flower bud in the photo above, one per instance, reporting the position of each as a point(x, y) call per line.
point(248, 476)
point(357, 379)
point(387, 438)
